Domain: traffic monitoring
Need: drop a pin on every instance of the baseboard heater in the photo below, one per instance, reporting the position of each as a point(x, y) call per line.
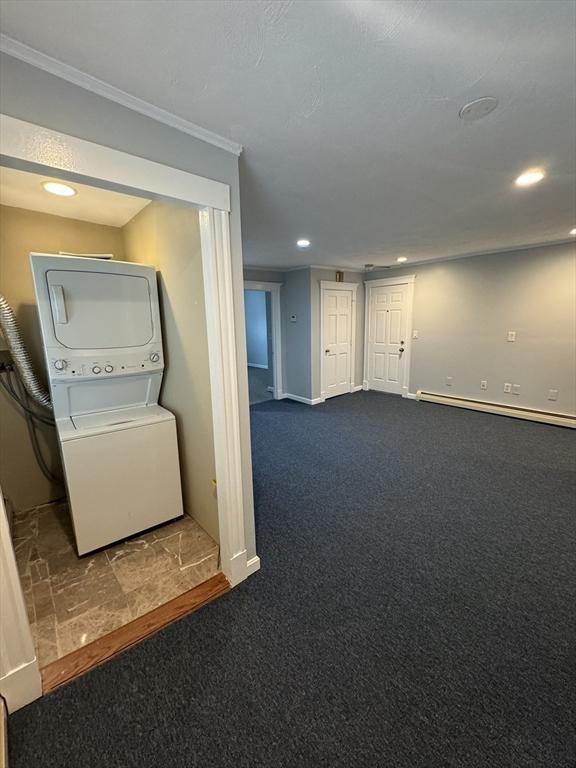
point(546, 417)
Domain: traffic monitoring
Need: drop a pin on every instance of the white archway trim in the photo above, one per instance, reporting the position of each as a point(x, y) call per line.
point(37, 146)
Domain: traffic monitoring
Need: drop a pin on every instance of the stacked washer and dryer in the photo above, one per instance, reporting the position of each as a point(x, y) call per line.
point(101, 333)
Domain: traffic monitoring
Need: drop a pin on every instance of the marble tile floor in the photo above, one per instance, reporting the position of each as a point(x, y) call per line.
point(73, 600)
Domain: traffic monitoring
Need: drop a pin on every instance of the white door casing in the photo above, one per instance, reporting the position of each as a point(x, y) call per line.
point(274, 289)
point(388, 334)
point(337, 337)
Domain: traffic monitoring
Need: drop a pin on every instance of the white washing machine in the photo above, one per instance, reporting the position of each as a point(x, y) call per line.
point(101, 332)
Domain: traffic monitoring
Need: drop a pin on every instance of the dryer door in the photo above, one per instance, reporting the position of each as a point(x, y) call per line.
point(98, 310)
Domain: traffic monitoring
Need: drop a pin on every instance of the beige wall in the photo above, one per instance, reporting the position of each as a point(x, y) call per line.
point(168, 237)
point(23, 231)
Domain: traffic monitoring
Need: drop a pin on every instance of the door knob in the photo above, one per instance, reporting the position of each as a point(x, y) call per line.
point(326, 351)
point(401, 349)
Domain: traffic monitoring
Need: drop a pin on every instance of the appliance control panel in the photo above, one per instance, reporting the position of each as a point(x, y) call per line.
point(96, 364)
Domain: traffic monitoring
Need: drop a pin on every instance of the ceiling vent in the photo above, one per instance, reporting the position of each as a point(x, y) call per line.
point(479, 108)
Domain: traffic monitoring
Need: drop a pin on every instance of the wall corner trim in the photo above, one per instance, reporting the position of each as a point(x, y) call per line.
point(305, 400)
point(75, 76)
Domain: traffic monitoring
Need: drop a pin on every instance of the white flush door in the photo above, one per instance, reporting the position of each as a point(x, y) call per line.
point(336, 342)
point(388, 309)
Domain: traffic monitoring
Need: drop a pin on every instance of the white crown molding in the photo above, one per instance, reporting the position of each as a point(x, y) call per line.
point(64, 71)
point(423, 262)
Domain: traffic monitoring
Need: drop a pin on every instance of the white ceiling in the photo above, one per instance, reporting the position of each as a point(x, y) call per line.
point(21, 189)
point(348, 112)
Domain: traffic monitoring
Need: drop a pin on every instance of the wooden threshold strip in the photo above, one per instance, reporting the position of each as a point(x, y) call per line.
point(92, 655)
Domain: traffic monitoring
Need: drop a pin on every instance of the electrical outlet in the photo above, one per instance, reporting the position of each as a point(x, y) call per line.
point(449, 380)
point(511, 335)
point(552, 394)
point(515, 389)
point(292, 318)
point(414, 334)
point(507, 387)
point(483, 384)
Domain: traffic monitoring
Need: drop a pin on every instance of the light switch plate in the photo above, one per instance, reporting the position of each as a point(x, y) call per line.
point(483, 384)
point(552, 394)
point(414, 334)
point(292, 318)
point(507, 387)
point(511, 335)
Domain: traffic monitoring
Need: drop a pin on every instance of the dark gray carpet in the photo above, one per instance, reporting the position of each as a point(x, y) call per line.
point(415, 609)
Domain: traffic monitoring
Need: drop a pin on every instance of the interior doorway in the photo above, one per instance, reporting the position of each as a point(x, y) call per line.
point(206, 204)
point(263, 340)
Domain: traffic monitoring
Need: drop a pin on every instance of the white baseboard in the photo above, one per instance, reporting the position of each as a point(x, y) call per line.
point(252, 565)
point(365, 386)
point(305, 400)
point(239, 568)
point(357, 388)
point(257, 365)
point(501, 409)
point(410, 395)
point(21, 686)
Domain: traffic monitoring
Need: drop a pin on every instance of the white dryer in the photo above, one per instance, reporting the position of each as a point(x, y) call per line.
point(101, 332)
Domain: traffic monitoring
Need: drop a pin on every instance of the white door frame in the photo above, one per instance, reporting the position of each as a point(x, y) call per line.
point(401, 280)
point(34, 148)
point(331, 285)
point(274, 289)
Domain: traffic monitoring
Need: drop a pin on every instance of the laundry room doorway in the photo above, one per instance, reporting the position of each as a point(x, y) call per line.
point(178, 229)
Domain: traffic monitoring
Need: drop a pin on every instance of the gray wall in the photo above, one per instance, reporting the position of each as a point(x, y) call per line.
point(263, 275)
point(463, 310)
point(297, 337)
point(37, 97)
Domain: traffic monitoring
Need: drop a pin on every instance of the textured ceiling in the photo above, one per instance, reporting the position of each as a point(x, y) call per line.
point(348, 112)
point(21, 189)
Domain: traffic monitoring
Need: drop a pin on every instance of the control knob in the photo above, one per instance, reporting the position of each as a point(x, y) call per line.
point(108, 368)
point(96, 369)
point(60, 365)
point(154, 357)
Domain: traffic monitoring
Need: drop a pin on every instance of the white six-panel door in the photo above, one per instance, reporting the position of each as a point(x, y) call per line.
point(337, 339)
point(389, 309)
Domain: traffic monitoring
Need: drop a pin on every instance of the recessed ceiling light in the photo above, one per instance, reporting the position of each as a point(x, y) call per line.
point(529, 177)
point(402, 259)
point(57, 188)
point(303, 243)
point(573, 231)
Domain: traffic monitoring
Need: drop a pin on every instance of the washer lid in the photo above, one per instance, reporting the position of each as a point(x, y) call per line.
point(111, 421)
